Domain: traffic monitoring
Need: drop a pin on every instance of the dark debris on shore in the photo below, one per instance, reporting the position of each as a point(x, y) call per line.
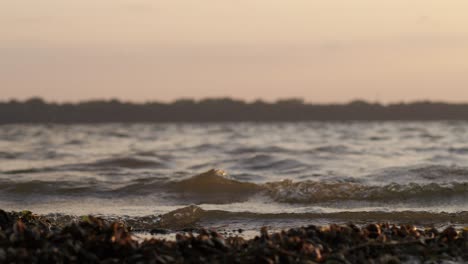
point(28, 238)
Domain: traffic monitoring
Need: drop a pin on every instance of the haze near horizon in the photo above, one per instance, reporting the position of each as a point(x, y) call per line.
point(322, 51)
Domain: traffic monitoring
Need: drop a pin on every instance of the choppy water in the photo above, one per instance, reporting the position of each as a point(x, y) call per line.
point(278, 174)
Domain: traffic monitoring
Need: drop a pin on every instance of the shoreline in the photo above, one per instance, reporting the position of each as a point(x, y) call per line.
point(31, 238)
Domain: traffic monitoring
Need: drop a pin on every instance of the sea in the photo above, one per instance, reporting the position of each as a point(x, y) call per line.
point(239, 176)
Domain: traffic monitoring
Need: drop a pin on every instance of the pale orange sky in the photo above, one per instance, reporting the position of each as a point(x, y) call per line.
point(322, 51)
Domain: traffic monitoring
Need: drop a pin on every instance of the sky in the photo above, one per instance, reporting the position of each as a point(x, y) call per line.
point(319, 50)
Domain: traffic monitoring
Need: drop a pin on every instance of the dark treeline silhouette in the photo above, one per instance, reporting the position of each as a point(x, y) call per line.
point(36, 110)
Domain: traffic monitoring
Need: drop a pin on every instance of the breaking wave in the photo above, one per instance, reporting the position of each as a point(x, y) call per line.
point(215, 186)
point(192, 216)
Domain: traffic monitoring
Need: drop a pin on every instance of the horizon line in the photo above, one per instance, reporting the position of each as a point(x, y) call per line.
point(297, 99)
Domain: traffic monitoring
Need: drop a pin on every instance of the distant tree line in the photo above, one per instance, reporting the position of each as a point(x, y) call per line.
point(36, 110)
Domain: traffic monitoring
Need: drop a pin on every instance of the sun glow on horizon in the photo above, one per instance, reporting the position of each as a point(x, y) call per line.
point(322, 51)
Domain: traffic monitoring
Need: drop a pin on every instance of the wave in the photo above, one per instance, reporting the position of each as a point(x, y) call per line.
point(215, 186)
point(126, 162)
point(214, 182)
point(193, 216)
point(37, 156)
point(332, 149)
point(30, 170)
point(347, 216)
point(460, 150)
point(103, 164)
point(312, 192)
point(422, 174)
point(9, 155)
point(47, 187)
point(254, 150)
point(270, 162)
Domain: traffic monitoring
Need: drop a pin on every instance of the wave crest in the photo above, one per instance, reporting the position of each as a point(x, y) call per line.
point(214, 186)
point(311, 192)
point(192, 216)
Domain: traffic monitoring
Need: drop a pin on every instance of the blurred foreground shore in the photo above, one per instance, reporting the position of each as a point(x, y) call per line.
point(29, 238)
